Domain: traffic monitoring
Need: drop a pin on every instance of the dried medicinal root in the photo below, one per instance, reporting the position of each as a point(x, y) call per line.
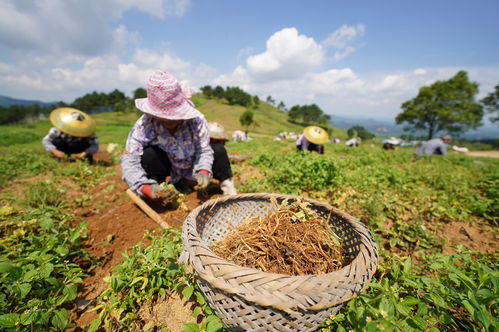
point(291, 240)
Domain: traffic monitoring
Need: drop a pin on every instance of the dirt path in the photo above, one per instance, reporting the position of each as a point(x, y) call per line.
point(489, 154)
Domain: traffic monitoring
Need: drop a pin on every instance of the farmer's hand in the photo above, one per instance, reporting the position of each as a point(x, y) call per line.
point(80, 155)
point(203, 178)
point(58, 154)
point(157, 192)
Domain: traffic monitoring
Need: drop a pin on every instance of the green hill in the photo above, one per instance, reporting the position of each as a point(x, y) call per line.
point(271, 121)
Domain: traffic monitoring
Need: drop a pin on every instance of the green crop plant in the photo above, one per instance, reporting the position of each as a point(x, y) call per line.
point(37, 275)
point(444, 292)
point(149, 273)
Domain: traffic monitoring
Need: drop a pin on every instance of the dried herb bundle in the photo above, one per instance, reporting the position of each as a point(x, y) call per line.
point(291, 240)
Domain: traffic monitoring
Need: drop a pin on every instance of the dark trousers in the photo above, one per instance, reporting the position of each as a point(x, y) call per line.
point(76, 146)
point(313, 147)
point(157, 165)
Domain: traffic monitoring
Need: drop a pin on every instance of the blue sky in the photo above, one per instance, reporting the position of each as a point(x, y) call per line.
point(352, 58)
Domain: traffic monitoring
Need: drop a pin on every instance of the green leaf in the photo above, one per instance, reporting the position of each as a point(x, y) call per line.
point(9, 320)
point(411, 301)
point(187, 292)
point(70, 292)
point(6, 267)
point(6, 210)
point(191, 327)
point(94, 325)
point(60, 319)
point(62, 250)
point(46, 223)
point(407, 266)
point(200, 298)
point(27, 317)
point(30, 275)
point(45, 270)
point(405, 311)
point(22, 290)
point(197, 311)
point(148, 326)
point(213, 324)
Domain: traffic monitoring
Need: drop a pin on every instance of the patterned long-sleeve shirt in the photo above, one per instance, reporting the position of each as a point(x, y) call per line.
point(188, 149)
point(55, 133)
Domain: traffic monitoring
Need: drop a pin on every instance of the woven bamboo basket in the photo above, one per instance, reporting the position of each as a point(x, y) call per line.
point(247, 299)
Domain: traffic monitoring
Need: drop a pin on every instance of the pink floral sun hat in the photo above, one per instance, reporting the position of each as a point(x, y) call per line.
point(167, 99)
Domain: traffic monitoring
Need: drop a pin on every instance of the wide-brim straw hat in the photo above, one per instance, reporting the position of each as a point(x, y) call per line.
point(216, 130)
point(72, 121)
point(316, 135)
point(393, 140)
point(166, 99)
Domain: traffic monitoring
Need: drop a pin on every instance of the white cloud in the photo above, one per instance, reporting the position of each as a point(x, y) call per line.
point(74, 27)
point(342, 40)
point(103, 74)
point(344, 35)
point(288, 55)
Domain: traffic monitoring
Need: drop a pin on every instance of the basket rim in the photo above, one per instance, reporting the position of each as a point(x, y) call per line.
point(194, 245)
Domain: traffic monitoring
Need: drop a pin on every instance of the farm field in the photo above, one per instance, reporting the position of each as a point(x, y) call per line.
point(77, 254)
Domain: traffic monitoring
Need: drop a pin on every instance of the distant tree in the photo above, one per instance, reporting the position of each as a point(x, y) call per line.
point(218, 92)
point(281, 106)
point(359, 131)
point(207, 90)
point(246, 120)
point(445, 105)
point(256, 101)
point(270, 101)
point(308, 114)
point(236, 96)
point(116, 96)
point(139, 93)
point(491, 104)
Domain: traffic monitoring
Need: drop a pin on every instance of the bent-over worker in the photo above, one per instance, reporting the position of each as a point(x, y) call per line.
point(313, 138)
point(72, 135)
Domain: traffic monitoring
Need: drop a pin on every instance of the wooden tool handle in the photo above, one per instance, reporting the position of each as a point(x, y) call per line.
point(147, 209)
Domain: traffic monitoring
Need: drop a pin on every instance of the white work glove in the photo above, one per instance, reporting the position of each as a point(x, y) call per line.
point(203, 179)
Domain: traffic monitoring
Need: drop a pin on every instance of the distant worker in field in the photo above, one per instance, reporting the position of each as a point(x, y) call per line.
point(240, 136)
point(391, 143)
point(353, 142)
point(436, 146)
point(72, 135)
point(218, 137)
point(170, 139)
point(313, 138)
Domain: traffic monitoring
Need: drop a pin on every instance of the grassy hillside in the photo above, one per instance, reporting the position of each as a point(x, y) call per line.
point(271, 121)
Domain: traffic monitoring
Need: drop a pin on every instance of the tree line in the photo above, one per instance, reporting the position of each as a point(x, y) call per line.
point(444, 106)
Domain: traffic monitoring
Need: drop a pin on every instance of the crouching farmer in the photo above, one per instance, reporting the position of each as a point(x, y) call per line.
point(72, 135)
point(170, 139)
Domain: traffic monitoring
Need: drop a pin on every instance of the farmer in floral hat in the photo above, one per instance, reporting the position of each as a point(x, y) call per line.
point(72, 135)
point(218, 137)
point(312, 139)
point(169, 139)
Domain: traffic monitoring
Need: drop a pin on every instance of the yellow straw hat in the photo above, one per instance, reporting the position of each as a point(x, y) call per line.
point(72, 122)
point(316, 135)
